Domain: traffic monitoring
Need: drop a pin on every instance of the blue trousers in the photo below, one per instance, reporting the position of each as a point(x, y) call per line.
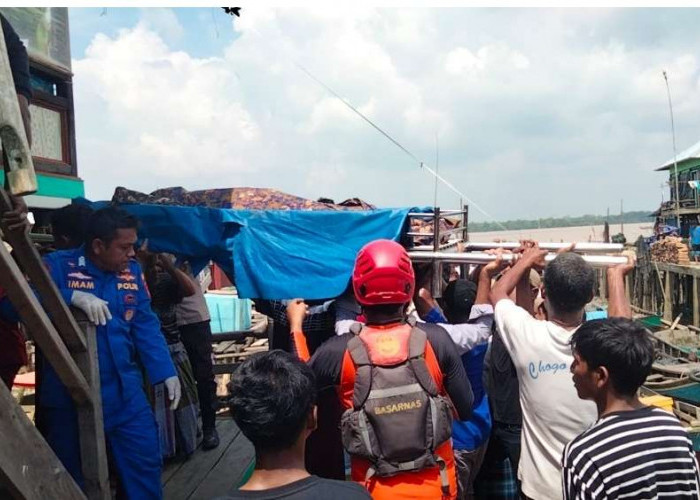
point(133, 442)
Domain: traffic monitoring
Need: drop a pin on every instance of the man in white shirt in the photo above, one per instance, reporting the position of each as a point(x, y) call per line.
point(552, 412)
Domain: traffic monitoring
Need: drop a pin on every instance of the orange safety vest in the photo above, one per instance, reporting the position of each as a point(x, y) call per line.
point(422, 484)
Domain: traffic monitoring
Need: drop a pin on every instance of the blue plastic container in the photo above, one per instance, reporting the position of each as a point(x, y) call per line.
point(228, 312)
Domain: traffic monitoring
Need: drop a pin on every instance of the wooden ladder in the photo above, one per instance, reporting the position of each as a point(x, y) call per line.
point(28, 467)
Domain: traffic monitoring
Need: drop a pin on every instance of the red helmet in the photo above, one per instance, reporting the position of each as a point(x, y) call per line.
point(383, 274)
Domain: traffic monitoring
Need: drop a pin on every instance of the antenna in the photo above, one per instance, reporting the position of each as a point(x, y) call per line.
point(437, 164)
point(675, 162)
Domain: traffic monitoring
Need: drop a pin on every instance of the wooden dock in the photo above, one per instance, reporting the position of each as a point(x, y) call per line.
point(212, 473)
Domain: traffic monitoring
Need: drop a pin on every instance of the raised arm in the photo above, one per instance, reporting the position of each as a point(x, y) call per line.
point(296, 312)
point(185, 284)
point(532, 257)
point(618, 304)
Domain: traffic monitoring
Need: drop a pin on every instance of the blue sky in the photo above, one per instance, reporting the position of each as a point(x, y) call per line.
point(204, 32)
point(538, 112)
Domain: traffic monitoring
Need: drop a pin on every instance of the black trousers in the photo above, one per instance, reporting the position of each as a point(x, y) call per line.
point(197, 340)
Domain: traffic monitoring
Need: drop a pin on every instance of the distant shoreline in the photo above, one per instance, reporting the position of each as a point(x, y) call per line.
point(632, 231)
point(633, 217)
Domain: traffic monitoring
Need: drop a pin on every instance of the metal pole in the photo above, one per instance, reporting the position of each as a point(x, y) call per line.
point(675, 162)
point(485, 258)
point(465, 222)
point(552, 246)
point(437, 265)
point(437, 164)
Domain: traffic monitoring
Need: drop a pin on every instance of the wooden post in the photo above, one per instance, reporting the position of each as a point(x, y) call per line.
point(93, 452)
point(465, 222)
point(45, 335)
point(19, 168)
point(668, 296)
point(696, 301)
point(28, 467)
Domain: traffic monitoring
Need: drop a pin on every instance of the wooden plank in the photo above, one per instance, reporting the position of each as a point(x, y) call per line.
point(57, 309)
point(189, 476)
point(689, 270)
point(93, 450)
point(696, 302)
point(170, 469)
point(28, 467)
point(221, 346)
point(228, 472)
point(668, 295)
point(43, 331)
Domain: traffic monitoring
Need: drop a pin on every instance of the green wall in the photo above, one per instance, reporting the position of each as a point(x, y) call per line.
point(58, 187)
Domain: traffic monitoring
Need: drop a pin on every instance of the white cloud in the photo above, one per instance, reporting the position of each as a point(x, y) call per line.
point(462, 60)
point(178, 118)
point(163, 21)
point(539, 112)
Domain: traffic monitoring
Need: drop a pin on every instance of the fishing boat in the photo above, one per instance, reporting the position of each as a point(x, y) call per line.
point(676, 370)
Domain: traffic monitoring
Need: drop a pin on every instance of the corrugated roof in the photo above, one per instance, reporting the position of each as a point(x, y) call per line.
point(690, 153)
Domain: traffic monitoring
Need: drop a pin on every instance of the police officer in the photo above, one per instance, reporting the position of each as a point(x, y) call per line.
point(103, 279)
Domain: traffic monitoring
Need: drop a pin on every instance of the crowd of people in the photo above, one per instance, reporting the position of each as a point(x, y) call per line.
point(153, 348)
point(499, 389)
point(502, 389)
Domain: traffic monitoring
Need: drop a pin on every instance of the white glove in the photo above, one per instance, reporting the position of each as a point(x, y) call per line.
point(174, 391)
point(97, 310)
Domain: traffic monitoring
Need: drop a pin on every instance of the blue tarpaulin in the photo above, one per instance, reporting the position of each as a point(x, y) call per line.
point(272, 254)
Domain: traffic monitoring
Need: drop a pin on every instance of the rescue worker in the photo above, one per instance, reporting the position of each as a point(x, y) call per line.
point(394, 379)
point(103, 279)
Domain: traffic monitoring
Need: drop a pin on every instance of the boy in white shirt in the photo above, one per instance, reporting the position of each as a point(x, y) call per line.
point(552, 412)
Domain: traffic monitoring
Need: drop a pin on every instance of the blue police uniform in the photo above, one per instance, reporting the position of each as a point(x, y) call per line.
point(132, 333)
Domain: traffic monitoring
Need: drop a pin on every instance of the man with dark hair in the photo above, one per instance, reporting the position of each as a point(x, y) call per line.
point(104, 280)
point(540, 351)
point(393, 376)
point(69, 225)
point(568, 286)
point(632, 451)
point(273, 403)
point(470, 437)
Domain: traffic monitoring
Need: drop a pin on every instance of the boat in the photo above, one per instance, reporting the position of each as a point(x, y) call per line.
point(687, 413)
point(676, 369)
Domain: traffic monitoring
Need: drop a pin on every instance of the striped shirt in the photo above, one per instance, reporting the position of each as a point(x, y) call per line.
point(636, 454)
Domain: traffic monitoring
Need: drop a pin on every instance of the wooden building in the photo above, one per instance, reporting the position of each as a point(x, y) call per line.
point(687, 164)
point(45, 33)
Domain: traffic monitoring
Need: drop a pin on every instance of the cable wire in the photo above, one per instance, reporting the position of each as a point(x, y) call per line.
point(421, 163)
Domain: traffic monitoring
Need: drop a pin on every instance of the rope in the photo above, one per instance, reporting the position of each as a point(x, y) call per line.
point(398, 144)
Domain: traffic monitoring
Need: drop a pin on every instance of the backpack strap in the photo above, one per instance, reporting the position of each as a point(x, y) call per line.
point(347, 381)
point(356, 328)
point(444, 481)
point(363, 371)
point(417, 344)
